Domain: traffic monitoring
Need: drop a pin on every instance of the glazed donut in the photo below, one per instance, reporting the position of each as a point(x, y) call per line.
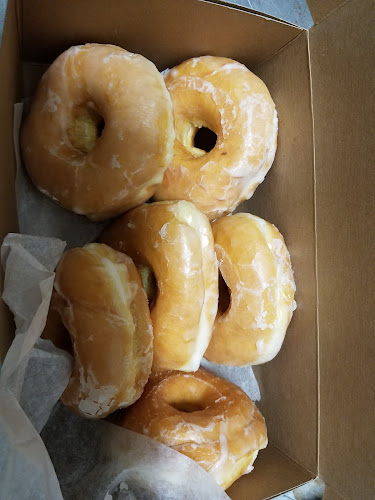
point(173, 240)
point(104, 308)
point(223, 96)
point(91, 170)
point(255, 265)
point(206, 418)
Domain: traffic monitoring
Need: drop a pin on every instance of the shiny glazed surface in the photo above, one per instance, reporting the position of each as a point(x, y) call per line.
point(255, 265)
point(100, 133)
point(175, 240)
point(225, 97)
point(205, 417)
point(104, 307)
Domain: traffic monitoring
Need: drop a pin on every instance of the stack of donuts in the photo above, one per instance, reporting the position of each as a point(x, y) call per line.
point(177, 278)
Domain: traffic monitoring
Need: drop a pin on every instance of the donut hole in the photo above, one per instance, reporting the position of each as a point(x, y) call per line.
point(205, 139)
point(149, 283)
point(187, 406)
point(188, 394)
point(101, 126)
point(86, 127)
point(224, 295)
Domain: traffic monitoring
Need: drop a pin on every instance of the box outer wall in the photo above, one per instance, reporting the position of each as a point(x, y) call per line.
point(342, 53)
point(320, 9)
point(290, 400)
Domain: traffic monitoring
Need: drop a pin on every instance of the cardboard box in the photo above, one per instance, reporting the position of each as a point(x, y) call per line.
point(318, 395)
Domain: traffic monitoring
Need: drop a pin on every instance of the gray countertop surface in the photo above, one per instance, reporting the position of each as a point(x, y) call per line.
point(313, 490)
point(292, 11)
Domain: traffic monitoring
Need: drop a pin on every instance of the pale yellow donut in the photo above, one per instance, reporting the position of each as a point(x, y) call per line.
point(255, 265)
point(101, 301)
point(174, 239)
point(225, 97)
point(99, 173)
point(206, 418)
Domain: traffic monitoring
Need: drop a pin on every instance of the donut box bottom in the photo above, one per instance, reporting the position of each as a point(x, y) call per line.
point(317, 396)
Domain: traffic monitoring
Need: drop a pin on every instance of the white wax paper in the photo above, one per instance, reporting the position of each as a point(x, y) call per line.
point(26, 471)
point(106, 461)
point(243, 376)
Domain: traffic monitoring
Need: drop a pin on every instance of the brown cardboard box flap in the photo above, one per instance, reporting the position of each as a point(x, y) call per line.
point(286, 198)
point(342, 51)
point(273, 473)
point(182, 29)
point(322, 8)
point(331, 494)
